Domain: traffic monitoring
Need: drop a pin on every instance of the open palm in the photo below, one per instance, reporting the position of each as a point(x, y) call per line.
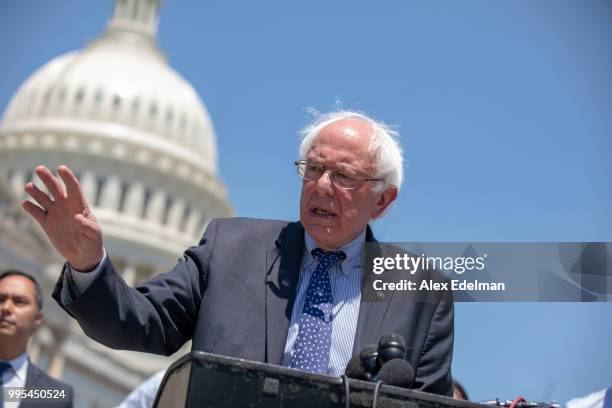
point(66, 218)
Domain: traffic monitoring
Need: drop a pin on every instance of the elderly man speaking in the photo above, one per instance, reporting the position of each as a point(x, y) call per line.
point(262, 290)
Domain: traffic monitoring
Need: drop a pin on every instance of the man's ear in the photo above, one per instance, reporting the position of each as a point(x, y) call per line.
point(38, 321)
point(384, 201)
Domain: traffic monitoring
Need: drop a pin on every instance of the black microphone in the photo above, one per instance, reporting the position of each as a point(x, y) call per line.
point(369, 358)
point(391, 346)
point(397, 372)
point(364, 366)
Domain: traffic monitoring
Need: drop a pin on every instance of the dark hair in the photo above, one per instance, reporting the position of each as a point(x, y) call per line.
point(37, 290)
point(457, 386)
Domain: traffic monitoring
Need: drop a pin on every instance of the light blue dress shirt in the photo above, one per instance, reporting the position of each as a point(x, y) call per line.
point(345, 280)
point(143, 396)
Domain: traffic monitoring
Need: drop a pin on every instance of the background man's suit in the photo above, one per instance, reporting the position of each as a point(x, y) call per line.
point(38, 379)
point(233, 294)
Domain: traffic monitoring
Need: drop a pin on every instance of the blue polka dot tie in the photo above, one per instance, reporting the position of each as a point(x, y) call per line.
point(311, 349)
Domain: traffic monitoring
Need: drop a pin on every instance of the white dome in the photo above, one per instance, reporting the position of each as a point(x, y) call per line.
point(134, 131)
point(124, 80)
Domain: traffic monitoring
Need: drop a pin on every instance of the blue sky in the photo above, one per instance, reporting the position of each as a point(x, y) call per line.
point(504, 110)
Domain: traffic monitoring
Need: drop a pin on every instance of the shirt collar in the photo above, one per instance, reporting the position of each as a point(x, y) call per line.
point(353, 251)
point(20, 366)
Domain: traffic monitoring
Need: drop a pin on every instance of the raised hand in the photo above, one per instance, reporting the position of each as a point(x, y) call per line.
point(66, 218)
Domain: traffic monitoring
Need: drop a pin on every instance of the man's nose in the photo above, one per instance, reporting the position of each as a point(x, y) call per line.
point(6, 307)
point(324, 184)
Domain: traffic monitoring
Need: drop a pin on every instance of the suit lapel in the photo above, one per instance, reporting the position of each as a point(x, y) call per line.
point(371, 314)
point(282, 265)
point(31, 375)
point(34, 379)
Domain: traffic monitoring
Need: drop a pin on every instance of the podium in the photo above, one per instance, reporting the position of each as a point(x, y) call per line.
point(201, 379)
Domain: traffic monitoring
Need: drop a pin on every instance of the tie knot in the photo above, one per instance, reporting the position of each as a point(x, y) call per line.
point(328, 257)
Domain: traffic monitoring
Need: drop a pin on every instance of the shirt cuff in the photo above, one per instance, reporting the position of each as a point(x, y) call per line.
point(79, 281)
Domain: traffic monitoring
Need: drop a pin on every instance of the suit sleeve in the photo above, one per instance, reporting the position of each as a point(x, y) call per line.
point(434, 369)
point(158, 316)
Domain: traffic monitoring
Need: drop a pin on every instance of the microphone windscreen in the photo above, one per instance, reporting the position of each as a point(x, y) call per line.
point(391, 346)
point(397, 372)
point(354, 369)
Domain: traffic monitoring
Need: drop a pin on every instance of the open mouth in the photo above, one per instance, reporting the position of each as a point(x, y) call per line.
point(320, 212)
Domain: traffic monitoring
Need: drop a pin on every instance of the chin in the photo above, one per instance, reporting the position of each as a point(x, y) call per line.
point(320, 234)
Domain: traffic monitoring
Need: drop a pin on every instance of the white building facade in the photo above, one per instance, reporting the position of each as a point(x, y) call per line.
point(143, 146)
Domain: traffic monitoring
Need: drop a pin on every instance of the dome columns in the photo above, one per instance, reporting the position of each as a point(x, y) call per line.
point(155, 208)
point(111, 193)
point(134, 200)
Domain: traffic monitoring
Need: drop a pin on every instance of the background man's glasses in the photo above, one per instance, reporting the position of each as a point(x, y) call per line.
point(310, 170)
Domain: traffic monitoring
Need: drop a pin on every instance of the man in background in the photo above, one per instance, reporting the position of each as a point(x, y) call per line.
point(459, 391)
point(143, 395)
point(20, 315)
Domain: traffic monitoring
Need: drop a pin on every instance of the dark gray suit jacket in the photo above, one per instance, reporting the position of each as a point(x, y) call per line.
point(233, 295)
point(38, 379)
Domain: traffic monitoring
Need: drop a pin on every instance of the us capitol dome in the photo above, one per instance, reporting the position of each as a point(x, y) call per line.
point(143, 146)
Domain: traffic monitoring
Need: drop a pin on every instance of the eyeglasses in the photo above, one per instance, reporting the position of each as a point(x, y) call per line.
point(311, 170)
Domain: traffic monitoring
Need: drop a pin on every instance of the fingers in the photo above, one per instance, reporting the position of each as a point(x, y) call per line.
point(40, 197)
point(52, 183)
point(73, 187)
point(35, 211)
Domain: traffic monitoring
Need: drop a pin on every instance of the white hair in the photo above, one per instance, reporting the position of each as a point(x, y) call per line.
point(383, 143)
